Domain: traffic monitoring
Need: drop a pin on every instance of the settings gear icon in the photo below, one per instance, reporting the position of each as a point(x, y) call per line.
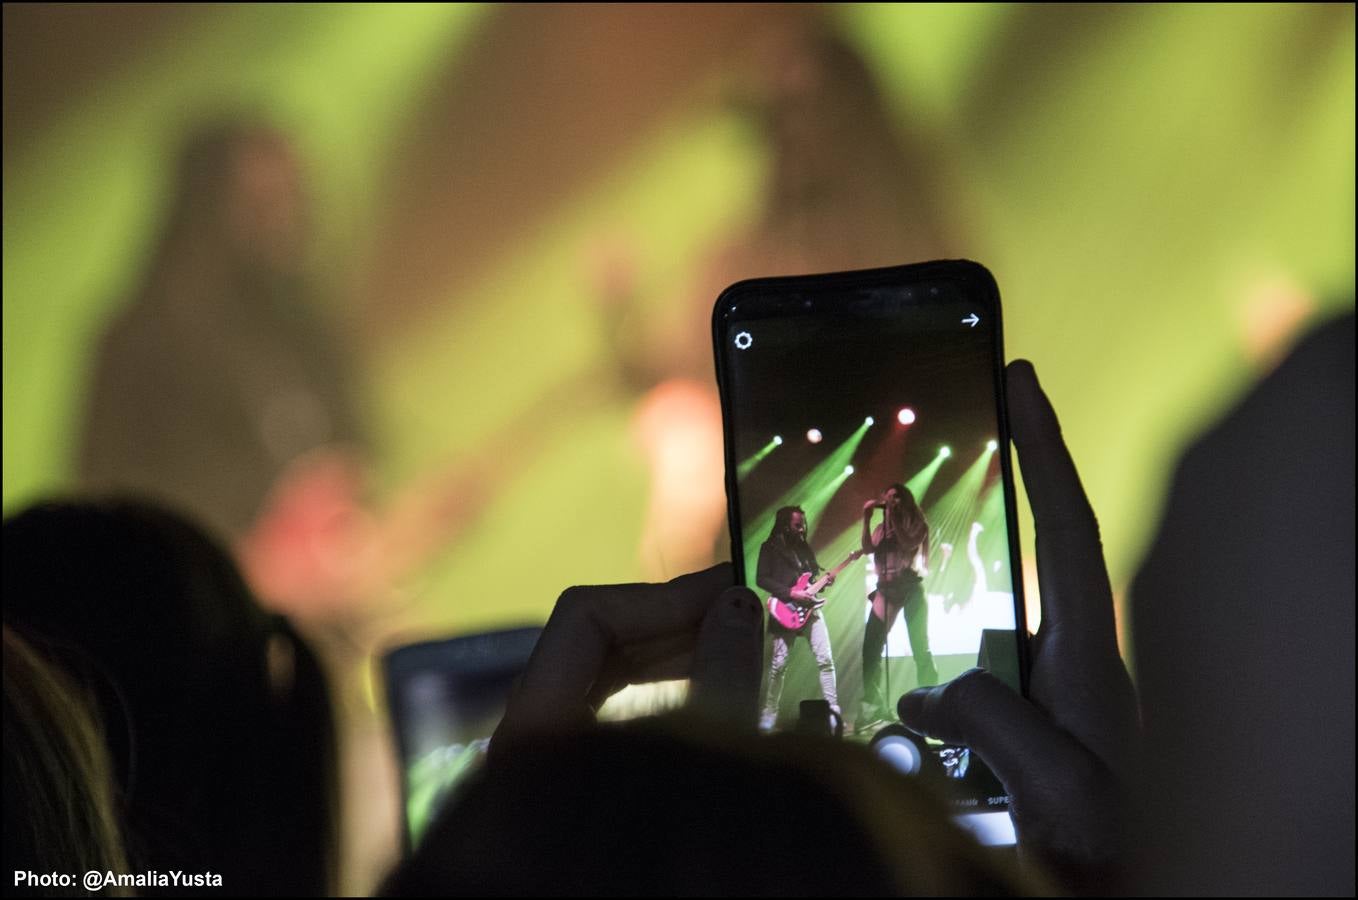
point(744, 341)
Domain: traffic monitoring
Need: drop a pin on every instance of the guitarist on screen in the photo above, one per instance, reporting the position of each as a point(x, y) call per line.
point(783, 559)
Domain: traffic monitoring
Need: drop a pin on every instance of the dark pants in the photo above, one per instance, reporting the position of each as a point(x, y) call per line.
point(887, 601)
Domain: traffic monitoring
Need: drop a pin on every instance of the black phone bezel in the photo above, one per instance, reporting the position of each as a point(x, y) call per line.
point(757, 298)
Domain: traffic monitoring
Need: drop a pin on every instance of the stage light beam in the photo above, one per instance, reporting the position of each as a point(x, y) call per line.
point(812, 492)
point(906, 416)
point(920, 481)
point(747, 466)
point(992, 445)
point(950, 520)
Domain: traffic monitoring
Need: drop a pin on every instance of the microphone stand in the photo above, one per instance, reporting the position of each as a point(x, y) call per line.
point(887, 624)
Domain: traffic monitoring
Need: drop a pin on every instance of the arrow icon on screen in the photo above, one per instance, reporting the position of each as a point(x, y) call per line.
point(971, 320)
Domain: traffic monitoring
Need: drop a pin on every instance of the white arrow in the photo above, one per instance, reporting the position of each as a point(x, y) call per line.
point(971, 320)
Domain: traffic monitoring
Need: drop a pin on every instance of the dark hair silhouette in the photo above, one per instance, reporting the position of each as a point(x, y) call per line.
point(678, 810)
point(218, 717)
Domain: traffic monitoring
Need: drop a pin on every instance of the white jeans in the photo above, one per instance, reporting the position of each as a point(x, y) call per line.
point(819, 636)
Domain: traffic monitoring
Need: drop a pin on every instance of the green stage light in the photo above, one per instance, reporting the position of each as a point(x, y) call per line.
point(812, 493)
point(920, 481)
point(950, 519)
point(945, 451)
point(992, 445)
point(815, 504)
point(748, 465)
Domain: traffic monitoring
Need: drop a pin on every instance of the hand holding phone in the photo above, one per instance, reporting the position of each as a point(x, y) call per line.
point(600, 639)
point(1065, 755)
point(448, 696)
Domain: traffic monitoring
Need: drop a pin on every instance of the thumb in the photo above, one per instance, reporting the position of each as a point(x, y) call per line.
point(981, 712)
point(727, 660)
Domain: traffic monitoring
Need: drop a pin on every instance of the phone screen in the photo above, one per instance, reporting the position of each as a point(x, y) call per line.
point(446, 699)
point(866, 440)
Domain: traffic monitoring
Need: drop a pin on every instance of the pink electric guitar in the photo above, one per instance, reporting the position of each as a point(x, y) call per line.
point(793, 614)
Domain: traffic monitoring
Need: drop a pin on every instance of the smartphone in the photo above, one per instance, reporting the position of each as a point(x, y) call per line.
point(446, 698)
point(871, 501)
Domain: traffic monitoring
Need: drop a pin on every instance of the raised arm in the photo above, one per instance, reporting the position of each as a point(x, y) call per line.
point(869, 546)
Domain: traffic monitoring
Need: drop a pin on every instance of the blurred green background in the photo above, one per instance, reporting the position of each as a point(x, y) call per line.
point(1165, 194)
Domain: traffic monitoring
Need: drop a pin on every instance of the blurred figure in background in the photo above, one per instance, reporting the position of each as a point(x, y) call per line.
point(60, 813)
point(220, 391)
point(219, 723)
point(846, 190)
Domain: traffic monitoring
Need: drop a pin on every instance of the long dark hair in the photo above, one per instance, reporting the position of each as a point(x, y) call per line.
point(782, 521)
point(908, 525)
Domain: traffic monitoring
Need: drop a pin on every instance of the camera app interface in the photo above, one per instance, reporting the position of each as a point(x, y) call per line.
point(872, 513)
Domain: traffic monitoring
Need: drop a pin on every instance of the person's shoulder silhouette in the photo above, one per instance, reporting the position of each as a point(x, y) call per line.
point(1244, 623)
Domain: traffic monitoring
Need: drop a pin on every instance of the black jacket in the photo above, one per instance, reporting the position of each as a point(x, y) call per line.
point(780, 566)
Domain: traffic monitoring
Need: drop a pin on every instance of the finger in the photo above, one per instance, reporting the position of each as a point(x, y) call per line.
point(979, 711)
point(728, 645)
point(585, 626)
point(1072, 577)
point(727, 664)
point(658, 659)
